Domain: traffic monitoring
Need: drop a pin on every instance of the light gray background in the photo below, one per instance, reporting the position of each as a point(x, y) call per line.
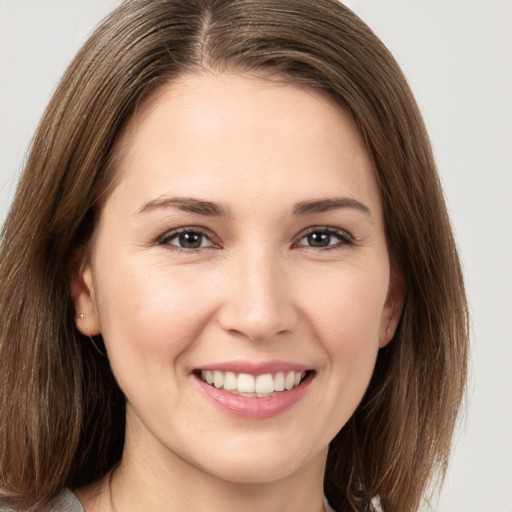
point(457, 55)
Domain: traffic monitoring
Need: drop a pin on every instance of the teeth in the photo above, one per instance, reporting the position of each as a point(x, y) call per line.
point(289, 380)
point(218, 379)
point(245, 383)
point(248, 385)
point(264, 384)
point(279, 381)
point(230, 381)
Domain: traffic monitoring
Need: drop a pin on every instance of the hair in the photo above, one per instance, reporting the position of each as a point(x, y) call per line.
point(61, 411)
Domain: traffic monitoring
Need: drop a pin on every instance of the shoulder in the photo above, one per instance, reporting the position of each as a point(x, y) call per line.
point(66, 501)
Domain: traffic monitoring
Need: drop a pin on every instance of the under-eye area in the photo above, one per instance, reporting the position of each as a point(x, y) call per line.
point(245, 384)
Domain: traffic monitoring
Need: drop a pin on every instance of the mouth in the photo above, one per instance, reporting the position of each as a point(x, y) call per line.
point(248, 385)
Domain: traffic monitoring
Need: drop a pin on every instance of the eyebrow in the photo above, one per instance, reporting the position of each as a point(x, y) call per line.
point(211, 209)
point(186, 204)
point(325, 205)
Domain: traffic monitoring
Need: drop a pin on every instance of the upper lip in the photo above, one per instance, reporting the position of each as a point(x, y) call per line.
point(255, 368)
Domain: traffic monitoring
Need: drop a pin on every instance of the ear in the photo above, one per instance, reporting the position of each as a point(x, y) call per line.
point(393, 307)
point(82, 293)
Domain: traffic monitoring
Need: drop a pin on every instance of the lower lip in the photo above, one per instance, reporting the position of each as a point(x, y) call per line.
point(255, 407)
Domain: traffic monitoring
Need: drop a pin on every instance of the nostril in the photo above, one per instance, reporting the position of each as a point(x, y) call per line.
point(258, 327)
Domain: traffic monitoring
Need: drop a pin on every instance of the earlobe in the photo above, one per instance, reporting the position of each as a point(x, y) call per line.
point(393, 307)
point(82, 293)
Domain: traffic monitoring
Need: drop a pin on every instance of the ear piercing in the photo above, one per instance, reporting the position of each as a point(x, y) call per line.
point(79, 316)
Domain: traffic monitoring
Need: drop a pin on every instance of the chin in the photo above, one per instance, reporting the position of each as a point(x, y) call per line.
point(261, 466)
point(260, 473)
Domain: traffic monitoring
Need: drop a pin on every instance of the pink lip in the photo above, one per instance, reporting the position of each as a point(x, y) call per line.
point(255, 368)
point(255, 407)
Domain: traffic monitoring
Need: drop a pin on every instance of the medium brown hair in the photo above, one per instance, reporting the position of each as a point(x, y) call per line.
point(61, 412)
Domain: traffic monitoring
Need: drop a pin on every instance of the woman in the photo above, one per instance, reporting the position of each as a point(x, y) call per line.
point(229, 273)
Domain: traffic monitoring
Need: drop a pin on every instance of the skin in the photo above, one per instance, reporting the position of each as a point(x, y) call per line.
point(255, 290)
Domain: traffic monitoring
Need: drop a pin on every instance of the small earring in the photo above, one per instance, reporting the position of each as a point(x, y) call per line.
point(79, 316)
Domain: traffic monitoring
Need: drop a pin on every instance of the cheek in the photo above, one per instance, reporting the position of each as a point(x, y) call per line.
point(349, 301)
point(346, 314)
point(149, 316)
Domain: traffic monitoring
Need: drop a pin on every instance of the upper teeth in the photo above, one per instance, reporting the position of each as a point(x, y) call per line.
point(245, 383)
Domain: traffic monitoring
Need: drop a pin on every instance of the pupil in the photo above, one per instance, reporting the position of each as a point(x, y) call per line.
point(319, 239)
point(190, 240)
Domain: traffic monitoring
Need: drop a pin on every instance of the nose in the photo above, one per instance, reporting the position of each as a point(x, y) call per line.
point(258, 297)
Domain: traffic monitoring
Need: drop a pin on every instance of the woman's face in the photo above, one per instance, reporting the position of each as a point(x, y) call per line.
point(242, 242)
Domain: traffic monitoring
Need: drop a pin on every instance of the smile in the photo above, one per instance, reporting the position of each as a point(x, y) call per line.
point(245, 384)
point(253, 390)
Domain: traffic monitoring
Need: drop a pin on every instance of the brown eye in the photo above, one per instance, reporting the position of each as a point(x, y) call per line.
point(325, 238)
point(186, 239)
point(190, 240)
point(319, 239)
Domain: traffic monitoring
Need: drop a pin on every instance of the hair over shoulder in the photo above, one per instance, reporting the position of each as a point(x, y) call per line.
point(61, 411)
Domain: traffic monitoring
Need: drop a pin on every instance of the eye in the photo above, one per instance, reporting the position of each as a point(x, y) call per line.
point(186, 239)
point(325, 238)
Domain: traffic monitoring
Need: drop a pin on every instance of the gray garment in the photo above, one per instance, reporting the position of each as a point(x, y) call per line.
point(66, 501)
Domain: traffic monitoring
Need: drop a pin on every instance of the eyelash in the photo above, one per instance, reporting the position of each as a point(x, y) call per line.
point(167, 237)
point(345, 239)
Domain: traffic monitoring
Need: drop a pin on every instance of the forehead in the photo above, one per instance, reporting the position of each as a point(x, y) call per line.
point(223, 134)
